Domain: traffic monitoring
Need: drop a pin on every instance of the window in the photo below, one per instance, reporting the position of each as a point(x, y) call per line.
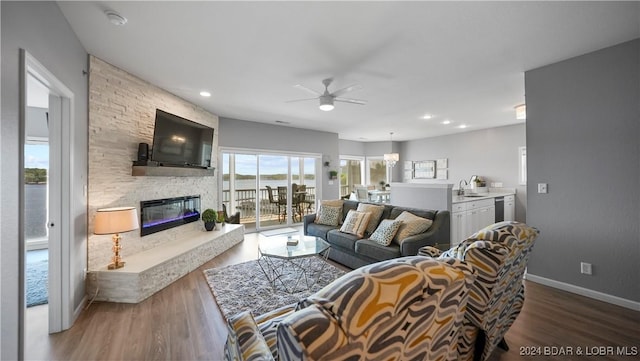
point(522, 153)
point(377, 168)
point(351, 173)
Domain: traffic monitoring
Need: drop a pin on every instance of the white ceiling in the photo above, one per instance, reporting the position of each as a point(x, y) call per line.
point(462, 61)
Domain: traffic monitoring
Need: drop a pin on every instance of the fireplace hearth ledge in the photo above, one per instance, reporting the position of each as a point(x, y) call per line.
point(148, 272)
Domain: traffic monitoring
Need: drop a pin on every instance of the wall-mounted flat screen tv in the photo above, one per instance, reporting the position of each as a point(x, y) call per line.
point(179, 142)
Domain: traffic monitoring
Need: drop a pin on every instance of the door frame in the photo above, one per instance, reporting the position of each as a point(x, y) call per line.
point(257, 153)
point(61, 310)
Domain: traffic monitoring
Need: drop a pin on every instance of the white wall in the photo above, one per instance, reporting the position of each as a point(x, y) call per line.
point(41, 29)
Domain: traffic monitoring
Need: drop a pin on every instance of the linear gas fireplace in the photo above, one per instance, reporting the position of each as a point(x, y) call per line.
point(160, 214)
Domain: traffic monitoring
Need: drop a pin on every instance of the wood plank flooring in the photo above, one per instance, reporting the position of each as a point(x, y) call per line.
point(183, 322)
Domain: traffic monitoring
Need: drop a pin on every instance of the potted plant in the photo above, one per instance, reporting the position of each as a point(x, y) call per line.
point(209, 218)
point(220, 220)
point(333, 174)
point(382, 184)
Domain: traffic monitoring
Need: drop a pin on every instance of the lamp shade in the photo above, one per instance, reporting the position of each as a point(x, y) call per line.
point(392, 157)
point(115, 220)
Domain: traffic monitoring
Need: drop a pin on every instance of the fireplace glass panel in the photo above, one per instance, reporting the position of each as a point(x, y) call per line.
point(160, 214)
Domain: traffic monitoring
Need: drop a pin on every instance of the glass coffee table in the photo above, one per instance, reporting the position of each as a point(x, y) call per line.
point(291, 266)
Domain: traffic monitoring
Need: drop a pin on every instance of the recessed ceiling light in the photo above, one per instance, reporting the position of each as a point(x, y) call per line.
point(462, 126)
point(205, 93)
point(115, 18)
point(427, 116)
point(446, 121)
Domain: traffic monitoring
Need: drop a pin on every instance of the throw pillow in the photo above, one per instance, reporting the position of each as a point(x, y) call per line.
point(329, 216)
point(411, 225)
point(376, 213)
point(385, 231)
point(330, 203)
point(356, 223)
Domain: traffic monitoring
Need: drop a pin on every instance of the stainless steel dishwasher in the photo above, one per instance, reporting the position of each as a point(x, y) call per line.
point(499, 209)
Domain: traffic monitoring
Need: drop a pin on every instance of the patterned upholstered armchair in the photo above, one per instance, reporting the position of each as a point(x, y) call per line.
point(408, 308)
point(499, 254)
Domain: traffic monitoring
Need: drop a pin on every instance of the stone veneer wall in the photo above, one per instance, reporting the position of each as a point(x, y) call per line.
point(122, 114)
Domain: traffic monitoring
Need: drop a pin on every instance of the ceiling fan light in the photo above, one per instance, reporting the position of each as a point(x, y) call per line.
point(326, 103)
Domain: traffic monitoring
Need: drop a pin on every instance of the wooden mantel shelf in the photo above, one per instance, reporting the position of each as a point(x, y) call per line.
point(151, 171)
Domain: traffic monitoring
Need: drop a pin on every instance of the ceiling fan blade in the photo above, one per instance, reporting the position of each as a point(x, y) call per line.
point(300, 100)
point(352, 101)
point(302, 87)
point(350, 88)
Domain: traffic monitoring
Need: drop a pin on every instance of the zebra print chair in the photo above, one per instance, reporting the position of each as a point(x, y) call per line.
point(408, 308)
point(499, 254)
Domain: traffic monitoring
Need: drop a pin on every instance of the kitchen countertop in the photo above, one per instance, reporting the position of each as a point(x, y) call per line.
point(461, 199)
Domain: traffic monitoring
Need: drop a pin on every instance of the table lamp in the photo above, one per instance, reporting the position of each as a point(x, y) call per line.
point(115, 221)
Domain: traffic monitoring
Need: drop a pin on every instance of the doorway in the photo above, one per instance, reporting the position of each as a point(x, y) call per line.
point(270, 190)
point(46, 118)
point(36, 193)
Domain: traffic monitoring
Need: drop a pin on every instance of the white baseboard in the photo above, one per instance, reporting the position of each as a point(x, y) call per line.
point(623, 302)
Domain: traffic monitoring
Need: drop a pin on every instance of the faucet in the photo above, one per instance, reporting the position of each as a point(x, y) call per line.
point(461, 188)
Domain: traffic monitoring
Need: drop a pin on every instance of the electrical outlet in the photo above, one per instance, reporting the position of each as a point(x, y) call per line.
point(542, 187)
point(497, 185)
point(585, 268)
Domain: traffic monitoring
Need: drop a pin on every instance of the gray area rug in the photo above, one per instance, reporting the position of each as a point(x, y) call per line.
point(37, 283)
point(244, 286)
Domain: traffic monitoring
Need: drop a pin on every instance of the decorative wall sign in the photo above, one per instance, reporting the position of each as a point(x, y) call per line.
point(424, 169)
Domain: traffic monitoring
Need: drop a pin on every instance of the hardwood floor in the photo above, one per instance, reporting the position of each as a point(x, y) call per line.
point(182, 322)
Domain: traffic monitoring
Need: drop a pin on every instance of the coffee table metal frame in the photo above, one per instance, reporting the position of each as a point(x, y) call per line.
point(276, 258)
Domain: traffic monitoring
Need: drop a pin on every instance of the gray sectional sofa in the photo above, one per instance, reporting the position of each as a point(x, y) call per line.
point(354, 252)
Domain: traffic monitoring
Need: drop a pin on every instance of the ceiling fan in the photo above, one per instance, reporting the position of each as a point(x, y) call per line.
point(326, 98)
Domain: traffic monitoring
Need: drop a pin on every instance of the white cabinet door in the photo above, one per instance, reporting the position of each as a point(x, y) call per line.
point(486, 216)
point(509, 208)
point(458, 227)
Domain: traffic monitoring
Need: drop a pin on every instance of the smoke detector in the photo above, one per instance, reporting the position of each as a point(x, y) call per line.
point(115, 18)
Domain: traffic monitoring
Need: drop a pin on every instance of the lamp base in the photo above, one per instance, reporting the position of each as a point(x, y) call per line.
point(115, 265)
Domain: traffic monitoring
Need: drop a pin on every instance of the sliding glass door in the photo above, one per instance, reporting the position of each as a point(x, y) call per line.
point(270, 190)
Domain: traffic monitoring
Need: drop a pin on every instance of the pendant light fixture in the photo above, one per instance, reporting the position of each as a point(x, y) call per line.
point(391, 158)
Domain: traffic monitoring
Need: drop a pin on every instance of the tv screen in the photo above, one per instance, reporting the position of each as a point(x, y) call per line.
point(180, 142)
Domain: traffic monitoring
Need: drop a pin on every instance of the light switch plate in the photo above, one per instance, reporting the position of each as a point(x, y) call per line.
point(542, 187)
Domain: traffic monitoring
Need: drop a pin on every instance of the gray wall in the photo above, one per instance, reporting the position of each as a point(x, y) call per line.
point(490, 153)
point(253, 135)
point(41, 29)
point(583, 132)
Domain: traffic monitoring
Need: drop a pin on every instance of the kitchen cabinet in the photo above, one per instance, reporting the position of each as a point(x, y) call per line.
point(510, 208)
point(458, 223)
point(469, 217)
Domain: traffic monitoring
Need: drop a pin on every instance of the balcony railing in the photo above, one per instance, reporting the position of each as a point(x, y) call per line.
point(245, 202)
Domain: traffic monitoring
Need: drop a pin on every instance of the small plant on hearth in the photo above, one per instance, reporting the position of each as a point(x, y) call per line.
point(209, 218)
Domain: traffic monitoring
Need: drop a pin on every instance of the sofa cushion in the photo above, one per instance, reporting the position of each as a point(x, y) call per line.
point(328, 215)
point(340, 239)
point(356, 223)
point(374, 250)
point(329, 203)
point(386, 231)
point(424, 213)
point(319, 230)
point(376, 213)
point(411, 225)
point(348, 206)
